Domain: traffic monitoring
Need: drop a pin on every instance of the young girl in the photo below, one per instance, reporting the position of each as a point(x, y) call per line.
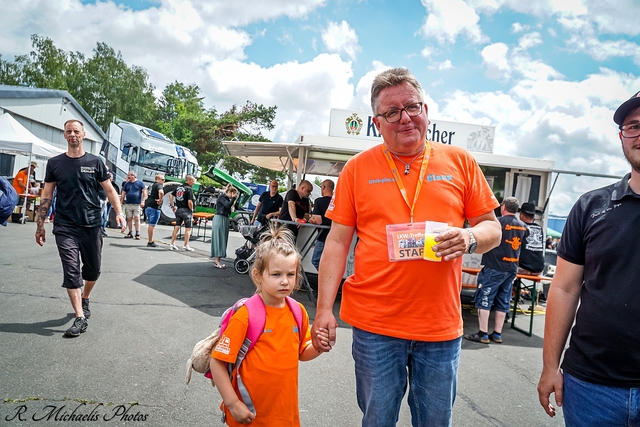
point(270, 370)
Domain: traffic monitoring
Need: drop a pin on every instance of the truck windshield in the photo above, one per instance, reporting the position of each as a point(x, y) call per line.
point(153, 160)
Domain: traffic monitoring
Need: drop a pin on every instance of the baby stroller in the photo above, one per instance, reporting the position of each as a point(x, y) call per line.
point(247, 252)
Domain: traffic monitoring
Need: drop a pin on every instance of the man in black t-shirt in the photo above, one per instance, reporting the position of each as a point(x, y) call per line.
point(152, 207)
point(268, 206)
point(77, 176)
point(182, 202)
point(594, 299)
point(500, 266)
point(532, 253)
point(296, 205)
point(318, 217)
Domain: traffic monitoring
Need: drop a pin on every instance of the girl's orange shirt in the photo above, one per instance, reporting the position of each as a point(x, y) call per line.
point(270, 369)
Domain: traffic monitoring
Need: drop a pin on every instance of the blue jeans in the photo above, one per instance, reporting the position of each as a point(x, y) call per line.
point(594, 405)
point(383, 364)
point(317, 254)
point(494, 289)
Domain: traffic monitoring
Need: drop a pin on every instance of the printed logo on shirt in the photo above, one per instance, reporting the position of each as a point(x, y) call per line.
point(515, 243)
point(223, 345)
point(87, 169)
point(433, 177)
point(267, 331)
point(180, 193)
point(295, 329)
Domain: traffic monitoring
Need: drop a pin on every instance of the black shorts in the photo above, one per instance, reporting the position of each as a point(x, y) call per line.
point(184, 215)
point(74, 244)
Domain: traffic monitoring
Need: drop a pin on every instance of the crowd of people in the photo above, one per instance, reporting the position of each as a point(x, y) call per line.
point(406, 337)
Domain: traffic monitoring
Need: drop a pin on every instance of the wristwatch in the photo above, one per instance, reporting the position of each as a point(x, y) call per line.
point(473, 244)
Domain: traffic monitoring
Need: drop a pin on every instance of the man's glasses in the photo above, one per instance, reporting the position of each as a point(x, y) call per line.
point(630, 131)
point(395, 114)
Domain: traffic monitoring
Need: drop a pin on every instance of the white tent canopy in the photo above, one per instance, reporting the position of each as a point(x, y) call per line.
point(16, 139)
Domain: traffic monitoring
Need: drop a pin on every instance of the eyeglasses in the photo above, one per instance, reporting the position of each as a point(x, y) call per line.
point(395, 114)
point(630, 131)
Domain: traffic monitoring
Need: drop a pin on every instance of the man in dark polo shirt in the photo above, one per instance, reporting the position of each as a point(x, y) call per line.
point(597, 274)
point(269, 205)
point(532, 252)
point(296, 206)
point(77, 226)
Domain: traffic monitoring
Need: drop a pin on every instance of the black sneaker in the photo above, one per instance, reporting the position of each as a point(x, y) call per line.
point(85, 308)
point(152, 245)
point(79, 326)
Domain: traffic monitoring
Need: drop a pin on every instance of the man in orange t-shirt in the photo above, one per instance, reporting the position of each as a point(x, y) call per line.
point(405, 315)
point(21, 180)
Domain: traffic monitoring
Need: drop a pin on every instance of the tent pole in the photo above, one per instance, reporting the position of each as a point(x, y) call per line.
point(26, 196)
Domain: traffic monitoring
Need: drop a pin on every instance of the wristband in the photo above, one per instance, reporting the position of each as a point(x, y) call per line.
point(121, 214)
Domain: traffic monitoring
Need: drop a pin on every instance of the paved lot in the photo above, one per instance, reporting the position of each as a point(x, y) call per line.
point(151, 306)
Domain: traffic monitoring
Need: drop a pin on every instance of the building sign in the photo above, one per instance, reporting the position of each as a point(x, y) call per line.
point(358, 124)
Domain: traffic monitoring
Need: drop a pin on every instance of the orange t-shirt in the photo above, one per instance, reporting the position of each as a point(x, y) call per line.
point(270, 369)
point(21, 175)
point(414, 300)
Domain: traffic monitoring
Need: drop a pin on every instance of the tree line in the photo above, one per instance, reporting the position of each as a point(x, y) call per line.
point(107, 88)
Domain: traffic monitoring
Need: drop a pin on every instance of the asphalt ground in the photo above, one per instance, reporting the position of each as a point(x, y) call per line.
point(151, 306)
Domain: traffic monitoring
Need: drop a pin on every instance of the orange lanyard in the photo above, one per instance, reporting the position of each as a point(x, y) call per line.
point(398, 178)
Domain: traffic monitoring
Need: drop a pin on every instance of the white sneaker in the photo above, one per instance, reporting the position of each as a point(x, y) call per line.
point(173, 248)
point(188, 248)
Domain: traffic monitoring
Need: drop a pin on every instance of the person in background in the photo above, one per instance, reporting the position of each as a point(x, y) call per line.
point(152, 207)
point(320, 206)
point(495, 280)
point(594, 298)
point(134, 192)
point(220, 225)
point(8, 200)
point(22, 181)
point(404, 310)
point(77, 175)
point(268, 206)
point(182, 201)
point(105, 217)
point(296, 206)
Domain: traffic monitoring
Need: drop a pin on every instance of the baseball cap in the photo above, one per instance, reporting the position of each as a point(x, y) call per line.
point(625, 108)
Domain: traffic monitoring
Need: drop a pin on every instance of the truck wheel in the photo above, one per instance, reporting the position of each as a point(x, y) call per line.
point(166, 214)
point(241, 266)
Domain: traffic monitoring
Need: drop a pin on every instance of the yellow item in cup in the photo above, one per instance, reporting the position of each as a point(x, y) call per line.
point(430, 242)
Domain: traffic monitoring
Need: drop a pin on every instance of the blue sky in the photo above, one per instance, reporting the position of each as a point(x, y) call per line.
point(548, 74)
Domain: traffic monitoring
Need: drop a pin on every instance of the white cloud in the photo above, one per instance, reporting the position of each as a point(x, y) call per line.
point(341, 38)
point(495, 59)
point(517, 27)
point(447, 19)
point(440, 66)
point(530, 40)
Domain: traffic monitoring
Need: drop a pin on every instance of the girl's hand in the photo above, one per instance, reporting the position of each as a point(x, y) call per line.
point(323, 335)
point(241, 413)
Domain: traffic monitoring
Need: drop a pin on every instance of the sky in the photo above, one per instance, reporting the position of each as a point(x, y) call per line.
point(548, 74)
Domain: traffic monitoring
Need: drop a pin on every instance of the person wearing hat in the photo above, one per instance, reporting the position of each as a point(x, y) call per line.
point(499, 269)
point(532, 253)
point(594, 296)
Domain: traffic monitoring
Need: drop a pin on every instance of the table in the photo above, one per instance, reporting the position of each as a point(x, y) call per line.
point(198, 217)
point(306, 247)
point(518, 285)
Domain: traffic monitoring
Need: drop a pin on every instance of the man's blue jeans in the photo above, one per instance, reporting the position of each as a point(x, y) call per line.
point(594, 405)
point(383, 364)
point(317, 254)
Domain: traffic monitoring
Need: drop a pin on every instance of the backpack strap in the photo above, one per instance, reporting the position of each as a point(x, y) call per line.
point(295, 308)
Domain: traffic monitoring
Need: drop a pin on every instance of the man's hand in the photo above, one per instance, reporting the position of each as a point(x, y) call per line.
point(452, 243)
point(40, 234)
point(327, 321)
point(550, 382)
point(121, 221)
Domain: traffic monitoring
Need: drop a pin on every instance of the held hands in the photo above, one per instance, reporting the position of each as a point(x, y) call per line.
point(452, 244)
point(240, 412)
point(323, 331)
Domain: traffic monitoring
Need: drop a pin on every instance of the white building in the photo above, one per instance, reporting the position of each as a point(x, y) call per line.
point(43, 112)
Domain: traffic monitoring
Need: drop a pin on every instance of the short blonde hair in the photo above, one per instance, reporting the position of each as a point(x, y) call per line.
point(278, 240)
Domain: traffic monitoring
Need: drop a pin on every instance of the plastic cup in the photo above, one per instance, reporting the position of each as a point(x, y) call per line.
point(430, 242)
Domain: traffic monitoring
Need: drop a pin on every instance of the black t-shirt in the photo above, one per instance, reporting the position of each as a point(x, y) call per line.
point(182, 195)
point(154, 193)
point(505, 257)
point(302, 205)
point(269, 204)
point(77, 181)
point(320, 207)
point(601, 234)
point(531, 254)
